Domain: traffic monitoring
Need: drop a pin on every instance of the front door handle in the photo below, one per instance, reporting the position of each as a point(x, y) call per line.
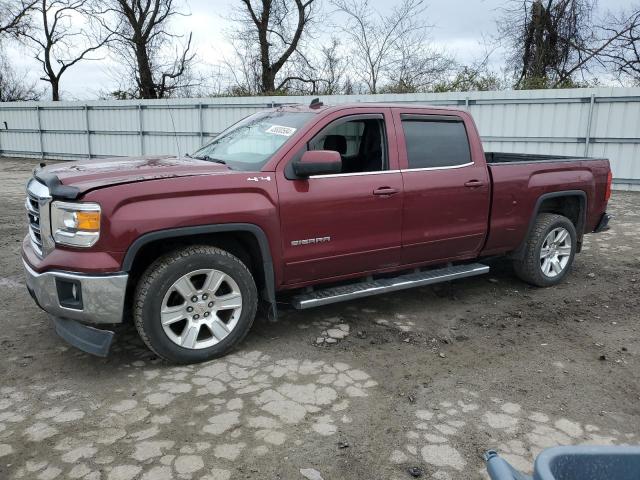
point(385, 191)
point(474, 184)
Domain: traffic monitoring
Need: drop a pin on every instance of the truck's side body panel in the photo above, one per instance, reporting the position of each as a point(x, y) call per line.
point(446, 209)
point(517, 187)
point(334, 225)
point(132, 210)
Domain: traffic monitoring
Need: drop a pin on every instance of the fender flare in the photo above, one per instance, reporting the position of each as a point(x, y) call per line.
point(256, 231)
point(582, 219)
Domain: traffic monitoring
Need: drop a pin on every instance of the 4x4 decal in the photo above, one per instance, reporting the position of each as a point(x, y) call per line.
point(259, 179)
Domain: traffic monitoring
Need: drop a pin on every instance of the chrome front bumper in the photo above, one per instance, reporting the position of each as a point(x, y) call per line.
point(101, 297)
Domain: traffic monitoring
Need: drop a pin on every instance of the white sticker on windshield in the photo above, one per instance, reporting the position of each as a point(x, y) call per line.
point(280, 130)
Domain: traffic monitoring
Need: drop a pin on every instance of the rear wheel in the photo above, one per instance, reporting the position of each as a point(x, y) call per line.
point(195, 304)
point(549, 251)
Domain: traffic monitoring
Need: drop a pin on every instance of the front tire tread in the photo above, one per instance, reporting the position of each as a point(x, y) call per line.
point(159, 268)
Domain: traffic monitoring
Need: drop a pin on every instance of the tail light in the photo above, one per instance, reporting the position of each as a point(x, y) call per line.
point(607, 192)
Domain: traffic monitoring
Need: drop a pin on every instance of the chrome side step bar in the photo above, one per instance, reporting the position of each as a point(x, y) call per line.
point(326, 296)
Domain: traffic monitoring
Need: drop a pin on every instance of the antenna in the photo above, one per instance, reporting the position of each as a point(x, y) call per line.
point(175, 134)
point(315, 103)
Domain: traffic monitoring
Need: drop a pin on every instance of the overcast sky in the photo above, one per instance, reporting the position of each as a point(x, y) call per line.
point(461, 27)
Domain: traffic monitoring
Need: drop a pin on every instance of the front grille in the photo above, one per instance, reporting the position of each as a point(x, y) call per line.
point(37, 205)
point(33, 215)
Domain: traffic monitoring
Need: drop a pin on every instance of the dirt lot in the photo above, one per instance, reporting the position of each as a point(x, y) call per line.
point(427, 378)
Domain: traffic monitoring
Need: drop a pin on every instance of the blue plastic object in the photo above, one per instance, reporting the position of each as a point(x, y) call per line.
point(573, 463)
point(499, 469)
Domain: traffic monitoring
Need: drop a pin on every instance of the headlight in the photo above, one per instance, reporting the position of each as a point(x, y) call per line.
point(75, 224)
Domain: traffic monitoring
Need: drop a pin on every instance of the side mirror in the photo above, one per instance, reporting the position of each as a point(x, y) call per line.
point(318, 162)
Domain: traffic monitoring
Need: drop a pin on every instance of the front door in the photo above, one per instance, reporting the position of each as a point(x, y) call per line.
point(346, 223)
point(446, 187)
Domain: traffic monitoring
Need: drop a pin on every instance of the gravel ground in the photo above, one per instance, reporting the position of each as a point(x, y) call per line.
point(424, 379)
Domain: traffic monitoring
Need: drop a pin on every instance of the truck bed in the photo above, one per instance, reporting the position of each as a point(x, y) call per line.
point(505, 157)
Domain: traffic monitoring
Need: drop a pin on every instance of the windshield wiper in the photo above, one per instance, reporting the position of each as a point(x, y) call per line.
point(211, 159)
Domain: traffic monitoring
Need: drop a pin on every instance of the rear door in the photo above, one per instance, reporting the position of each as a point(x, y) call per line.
point(446, 187)
point(346, 223)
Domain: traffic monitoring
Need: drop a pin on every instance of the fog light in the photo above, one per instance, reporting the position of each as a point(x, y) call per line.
point(69, 293)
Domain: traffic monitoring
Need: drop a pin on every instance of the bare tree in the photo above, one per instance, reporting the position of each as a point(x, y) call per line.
point(622, 55)
point(143, 42)
point(474, 77)
point(14, 20)
point(477, 75)
point(14, 16)
point(58, 43)
point(13, 86)
point(392, 47)
point(270, 33)
point(301, 76)
point(321, 71)
point(544, 37)
point(333, 69)
point(552, 41)
point(244, 67)
point(415, 66)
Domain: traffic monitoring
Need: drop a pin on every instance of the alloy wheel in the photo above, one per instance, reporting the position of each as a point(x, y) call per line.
point(201, 308)
point(555, 252)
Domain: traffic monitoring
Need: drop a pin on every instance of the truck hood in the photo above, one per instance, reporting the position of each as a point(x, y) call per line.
point(85, 175)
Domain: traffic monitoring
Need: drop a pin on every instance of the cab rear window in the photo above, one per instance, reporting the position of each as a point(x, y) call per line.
point(435, 143)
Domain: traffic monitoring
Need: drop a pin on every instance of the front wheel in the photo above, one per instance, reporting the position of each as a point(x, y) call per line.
point(549, 251)
point(195, 304)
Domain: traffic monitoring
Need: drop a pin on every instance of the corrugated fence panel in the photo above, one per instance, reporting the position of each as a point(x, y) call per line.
point(20, 142)
point(112, 145)
point(19, 118)
point(70, 143)
point(601, 122)
point(113, 120)
point(616, 120)
point(168, 120)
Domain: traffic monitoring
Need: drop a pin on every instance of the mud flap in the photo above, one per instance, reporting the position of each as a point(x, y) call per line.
point(603, 224)
point(88, 339)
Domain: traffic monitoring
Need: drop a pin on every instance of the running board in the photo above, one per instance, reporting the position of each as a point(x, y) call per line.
point(326, 296)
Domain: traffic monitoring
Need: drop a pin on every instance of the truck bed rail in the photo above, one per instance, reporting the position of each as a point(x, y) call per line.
point(496, 158)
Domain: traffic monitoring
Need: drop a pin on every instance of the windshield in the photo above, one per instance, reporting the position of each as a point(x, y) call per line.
point(248, 144)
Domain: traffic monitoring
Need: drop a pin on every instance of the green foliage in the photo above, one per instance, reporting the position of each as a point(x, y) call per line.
point(470, 79)
point(541, 83)
point(398, 87)
point(119, 95)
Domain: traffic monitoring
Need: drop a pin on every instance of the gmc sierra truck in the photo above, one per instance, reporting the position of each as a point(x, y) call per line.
point(313, 203)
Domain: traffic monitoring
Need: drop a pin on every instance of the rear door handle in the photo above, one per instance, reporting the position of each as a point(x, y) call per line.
point(385, 191)
point(474, 184)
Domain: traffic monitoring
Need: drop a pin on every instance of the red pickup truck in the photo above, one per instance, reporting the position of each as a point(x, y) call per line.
point(327, 203)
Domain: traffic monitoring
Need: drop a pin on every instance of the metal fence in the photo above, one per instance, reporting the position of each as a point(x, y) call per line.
point(602, 122)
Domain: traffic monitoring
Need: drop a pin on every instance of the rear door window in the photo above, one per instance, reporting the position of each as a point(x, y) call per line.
point(435, 143)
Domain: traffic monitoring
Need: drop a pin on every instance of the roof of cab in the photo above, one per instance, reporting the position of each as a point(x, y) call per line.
point(318, 108)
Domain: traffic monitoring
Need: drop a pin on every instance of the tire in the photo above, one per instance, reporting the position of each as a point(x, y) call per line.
point(213, 280)
point(532, 267)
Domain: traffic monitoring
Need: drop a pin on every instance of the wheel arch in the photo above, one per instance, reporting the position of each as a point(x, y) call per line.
point(569, 203)
point(245, 240)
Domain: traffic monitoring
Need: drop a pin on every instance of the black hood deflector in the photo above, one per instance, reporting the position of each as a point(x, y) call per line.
point(57, 190)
